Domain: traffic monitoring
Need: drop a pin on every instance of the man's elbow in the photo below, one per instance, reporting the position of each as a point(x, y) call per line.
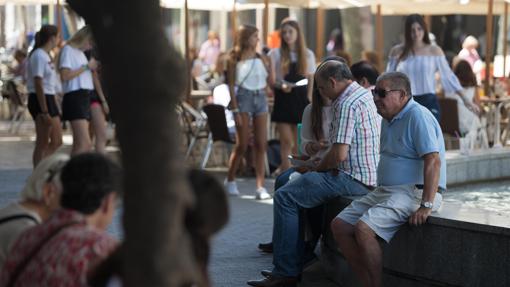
point(341, 157)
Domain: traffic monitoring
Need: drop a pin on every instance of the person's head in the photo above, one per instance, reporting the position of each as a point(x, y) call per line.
point(82, 39)
point(332, 78)
point(464, 73)
point(364, 73)
point(372, 57)
point(46, 36)
point(416, 30)
point(247, 38)
point(20, 55)
point(89, 182)
point(345, 55)
point(391, 93)
point(292, 39)
point(211, 35)
point(470, 43)
point(43, 186)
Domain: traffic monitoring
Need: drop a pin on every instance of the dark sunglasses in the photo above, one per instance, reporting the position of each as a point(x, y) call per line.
point(381, 93)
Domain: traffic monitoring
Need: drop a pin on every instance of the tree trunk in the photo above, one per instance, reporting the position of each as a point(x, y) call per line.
point(145, 78)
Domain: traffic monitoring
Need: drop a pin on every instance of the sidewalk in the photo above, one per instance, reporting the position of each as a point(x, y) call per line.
point(235, 257)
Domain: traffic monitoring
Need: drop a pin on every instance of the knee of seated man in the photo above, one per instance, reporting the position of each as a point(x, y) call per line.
point(340, 227)
point(363, 231)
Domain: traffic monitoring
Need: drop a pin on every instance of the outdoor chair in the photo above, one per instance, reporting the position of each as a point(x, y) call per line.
point(449, 122)
point(18, 100)
point(218, 129)
point(194, 124)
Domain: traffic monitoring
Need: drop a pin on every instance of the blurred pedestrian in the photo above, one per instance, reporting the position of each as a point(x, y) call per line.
point(77, 85)
point(420, 60)
point(41, 78)
point(249, 76)
point(291, 63)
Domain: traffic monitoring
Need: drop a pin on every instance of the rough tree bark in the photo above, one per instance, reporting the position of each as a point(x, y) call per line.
point(145, 78)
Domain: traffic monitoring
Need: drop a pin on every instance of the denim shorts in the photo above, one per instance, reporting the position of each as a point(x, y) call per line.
point(252, 102)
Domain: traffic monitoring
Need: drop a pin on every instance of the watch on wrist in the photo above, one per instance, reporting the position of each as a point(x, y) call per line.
point(427, 204)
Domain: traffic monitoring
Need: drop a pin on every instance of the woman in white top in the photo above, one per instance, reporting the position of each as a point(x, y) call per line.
point(420, 60)
point(291, 63)
point(467, 119)
point(249, 72)
point(41, 78)
point(77, 85)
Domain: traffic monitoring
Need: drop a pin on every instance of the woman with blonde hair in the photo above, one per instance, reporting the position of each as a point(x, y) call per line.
point(249, 76)
point(291, 63)
point(77, 84)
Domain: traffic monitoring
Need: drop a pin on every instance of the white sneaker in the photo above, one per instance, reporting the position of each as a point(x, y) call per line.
point(262, 194)
point(231, 187)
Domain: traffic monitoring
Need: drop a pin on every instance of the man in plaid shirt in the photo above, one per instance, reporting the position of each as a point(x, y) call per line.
point(348, 168)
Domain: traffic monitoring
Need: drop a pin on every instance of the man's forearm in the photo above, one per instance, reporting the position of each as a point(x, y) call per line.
point(431, 170)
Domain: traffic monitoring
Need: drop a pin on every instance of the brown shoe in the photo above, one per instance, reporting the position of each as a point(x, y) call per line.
point(273, 281)
point(266, 247)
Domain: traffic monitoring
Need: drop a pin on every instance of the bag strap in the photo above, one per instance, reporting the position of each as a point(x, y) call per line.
point(21, 266)
point(18, 216)
point(249, 72)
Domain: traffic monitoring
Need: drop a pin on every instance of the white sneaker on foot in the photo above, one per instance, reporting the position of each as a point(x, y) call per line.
point(231, 187)
point(262, 194)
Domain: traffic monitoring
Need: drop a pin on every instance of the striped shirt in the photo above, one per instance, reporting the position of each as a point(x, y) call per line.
point(421, 70)
point(357, 124)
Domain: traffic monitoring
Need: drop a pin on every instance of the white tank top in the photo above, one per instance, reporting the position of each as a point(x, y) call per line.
point(251, 74)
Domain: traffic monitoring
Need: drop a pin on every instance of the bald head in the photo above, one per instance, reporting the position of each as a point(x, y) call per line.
point(333, 69)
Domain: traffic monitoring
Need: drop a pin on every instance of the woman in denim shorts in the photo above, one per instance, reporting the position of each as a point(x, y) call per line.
point(249, 72)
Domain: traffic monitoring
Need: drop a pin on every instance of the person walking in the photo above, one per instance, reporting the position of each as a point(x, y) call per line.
point(420, 60)
point(290, 63)
point(77, 85)
point(250, 73)
point(41, 79)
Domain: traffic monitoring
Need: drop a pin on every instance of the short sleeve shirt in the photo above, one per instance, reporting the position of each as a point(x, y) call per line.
point(357, 124)
point(411, 134)
point(40, 65)
point(73, 59)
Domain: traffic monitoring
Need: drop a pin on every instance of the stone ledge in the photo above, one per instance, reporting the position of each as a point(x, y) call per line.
point(457, 247)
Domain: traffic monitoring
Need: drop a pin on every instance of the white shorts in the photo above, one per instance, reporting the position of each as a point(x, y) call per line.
point(385, 209)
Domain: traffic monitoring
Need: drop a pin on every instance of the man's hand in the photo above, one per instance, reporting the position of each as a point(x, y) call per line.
point(420, 216)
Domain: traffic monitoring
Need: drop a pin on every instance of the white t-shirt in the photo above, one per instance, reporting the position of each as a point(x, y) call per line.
point(40, 65)
point(275, 56)
point(251, 74)
point(73, 59)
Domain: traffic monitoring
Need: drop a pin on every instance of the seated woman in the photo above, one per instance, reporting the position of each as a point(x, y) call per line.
point(39, 199)
point(316, 120)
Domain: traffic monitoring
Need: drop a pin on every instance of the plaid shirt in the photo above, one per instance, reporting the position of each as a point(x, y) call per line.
point(65, 259)
point(357, 124)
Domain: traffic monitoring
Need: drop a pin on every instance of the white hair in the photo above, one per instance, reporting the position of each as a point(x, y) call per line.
point(48, 169)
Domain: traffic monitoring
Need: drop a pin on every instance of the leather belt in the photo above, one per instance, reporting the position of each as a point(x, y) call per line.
point(439, 189)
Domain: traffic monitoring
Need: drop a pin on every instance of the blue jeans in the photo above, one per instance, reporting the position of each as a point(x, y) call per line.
point(309, 190)
point(430, 102)
point(283, 178)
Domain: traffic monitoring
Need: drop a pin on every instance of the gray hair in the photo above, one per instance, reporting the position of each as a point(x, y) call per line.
point(397, 81)
point(48, 170)
point(335, 69)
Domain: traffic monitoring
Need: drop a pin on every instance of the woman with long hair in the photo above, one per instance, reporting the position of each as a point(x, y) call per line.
point(467, 79)
point(317, 118)
point(41, 79)
point(291, 63)
point(77, 85)
point(249, 76)
point(420, 60)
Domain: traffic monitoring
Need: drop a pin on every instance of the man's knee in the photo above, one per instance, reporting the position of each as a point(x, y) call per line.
point(341, 228)
point(363, 232)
